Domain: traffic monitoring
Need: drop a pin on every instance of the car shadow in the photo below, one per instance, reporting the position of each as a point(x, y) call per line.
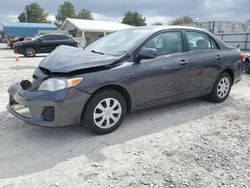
point(27, 149)
point(23, 57)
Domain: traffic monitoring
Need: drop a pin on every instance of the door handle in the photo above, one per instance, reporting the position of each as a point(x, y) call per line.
point(218, 57)
point(164, 68)
point(183, 62)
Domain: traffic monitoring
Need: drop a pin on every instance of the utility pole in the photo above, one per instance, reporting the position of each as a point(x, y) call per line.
point(25, 17)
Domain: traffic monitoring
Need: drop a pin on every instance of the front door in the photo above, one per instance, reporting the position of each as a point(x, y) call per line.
point(166, 77)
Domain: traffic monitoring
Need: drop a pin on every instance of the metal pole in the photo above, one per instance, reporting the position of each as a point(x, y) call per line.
point(25, 15)
point(213, 26)
point(246, 41)
point(84, 42)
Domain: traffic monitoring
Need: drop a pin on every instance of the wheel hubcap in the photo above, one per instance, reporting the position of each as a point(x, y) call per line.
point(107, 113)
point(30, 52)
point(223, 87)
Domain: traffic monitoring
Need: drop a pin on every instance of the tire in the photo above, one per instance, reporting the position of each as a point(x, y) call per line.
point(221, 88)
point(97, 105)
point(30, 52)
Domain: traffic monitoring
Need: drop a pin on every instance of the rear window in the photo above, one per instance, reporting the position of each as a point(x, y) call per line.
point(62, 37)
point(47, 38)
point(200, 41)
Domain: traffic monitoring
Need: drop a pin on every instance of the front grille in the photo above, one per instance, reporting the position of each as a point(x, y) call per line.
point(25, 84)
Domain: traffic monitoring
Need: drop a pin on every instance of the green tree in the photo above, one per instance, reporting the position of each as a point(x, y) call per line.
point(33, 13)
point(85, 14)
point(134, 18)
point(66, 10)
point(182, 20)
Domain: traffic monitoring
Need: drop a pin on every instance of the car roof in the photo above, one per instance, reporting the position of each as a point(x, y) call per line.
point(166, 27)
point(55, 34)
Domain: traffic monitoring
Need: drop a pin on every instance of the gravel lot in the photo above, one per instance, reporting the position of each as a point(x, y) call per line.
point(190, 144)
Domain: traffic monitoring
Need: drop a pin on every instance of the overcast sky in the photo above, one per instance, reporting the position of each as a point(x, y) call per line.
point(154, 10)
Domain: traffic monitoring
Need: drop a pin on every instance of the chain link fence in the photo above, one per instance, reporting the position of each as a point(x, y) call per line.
point(236, 39)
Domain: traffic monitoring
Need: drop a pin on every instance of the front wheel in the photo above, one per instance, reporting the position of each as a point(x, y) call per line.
point(104, 112)
point(221, 88)
point(30, 52)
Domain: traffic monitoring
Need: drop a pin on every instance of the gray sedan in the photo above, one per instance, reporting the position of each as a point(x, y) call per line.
point(122, 72)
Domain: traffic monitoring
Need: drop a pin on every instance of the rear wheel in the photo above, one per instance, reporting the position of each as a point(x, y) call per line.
point(30, 52)
point(104, 112)
point(221, 88)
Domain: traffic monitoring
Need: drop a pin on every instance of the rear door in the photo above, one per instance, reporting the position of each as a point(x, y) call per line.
point(204, 58)
point(60, 40)
point(46, 44)
point(55, 41)
point(66, 40)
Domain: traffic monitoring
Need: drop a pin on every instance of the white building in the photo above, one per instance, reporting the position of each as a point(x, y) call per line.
point(87, 31)
point(227, 27)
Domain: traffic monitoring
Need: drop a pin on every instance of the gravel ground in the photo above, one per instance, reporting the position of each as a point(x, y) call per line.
point(189, 144)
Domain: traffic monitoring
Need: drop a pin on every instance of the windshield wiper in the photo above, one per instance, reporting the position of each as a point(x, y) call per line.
point(97, 52)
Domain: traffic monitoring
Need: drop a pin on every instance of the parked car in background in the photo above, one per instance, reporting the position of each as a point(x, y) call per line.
point(246, 64)
point(125, 71)
point(13, 41)
point(43, 44)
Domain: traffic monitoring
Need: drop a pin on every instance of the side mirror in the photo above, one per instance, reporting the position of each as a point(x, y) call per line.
point(40, 40)
point(147, 53)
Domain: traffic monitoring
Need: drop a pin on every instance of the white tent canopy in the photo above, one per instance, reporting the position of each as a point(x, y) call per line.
point(93, 25)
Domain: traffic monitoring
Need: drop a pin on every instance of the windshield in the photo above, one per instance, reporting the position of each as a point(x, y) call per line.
point(35, 38)
point(118, 42)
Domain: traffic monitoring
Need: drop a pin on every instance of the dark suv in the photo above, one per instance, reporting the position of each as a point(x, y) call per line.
point(125, 71)
point(43, 44)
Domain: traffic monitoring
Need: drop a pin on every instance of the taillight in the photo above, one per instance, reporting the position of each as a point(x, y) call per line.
point(242, 56)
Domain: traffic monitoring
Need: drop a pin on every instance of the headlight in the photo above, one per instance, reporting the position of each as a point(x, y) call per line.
point(55, 84)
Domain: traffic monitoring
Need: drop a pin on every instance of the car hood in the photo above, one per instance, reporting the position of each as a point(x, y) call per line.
point(22, 42)
point(65, 59)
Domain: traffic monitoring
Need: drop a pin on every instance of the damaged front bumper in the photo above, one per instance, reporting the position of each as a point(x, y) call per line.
point(46, 108)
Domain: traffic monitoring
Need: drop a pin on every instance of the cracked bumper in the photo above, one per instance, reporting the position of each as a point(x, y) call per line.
point(45, 108)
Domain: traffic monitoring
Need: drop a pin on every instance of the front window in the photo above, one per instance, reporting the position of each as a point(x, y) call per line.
point(166, 43)
point(36, 38)
point(118, 42)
